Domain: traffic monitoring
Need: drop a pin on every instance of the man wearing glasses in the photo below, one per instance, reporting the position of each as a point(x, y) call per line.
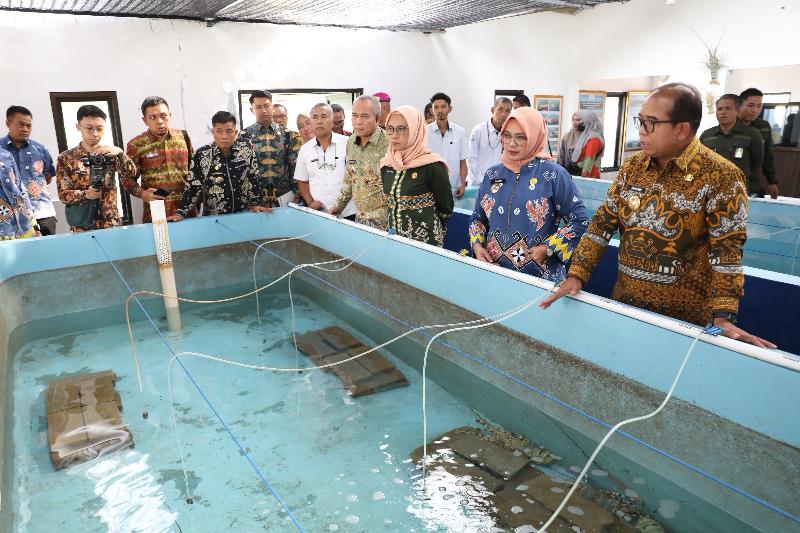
point(362, 175)
point(320, 164)
point(681, 212)
point(338, 120)
point(280, 116)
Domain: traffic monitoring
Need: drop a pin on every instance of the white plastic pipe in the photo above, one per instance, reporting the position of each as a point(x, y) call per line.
point(164, 258)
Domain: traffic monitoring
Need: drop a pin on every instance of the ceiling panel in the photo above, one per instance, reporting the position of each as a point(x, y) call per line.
point(424, 15)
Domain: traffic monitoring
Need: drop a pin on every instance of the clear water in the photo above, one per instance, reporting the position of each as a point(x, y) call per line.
point(340, 464)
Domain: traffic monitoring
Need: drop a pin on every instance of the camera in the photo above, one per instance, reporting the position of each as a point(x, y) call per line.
point(97, 166)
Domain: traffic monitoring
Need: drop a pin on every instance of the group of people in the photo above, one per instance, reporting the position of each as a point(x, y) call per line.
point(679, 207)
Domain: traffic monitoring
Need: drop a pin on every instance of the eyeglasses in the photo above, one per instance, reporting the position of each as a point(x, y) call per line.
point(400, 130)
point(324, 165)
point(648, 124)
point(518, 138)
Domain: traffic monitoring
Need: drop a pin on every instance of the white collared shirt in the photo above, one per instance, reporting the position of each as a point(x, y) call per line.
point(453, 146)
point(324, 171)
point(485, 151)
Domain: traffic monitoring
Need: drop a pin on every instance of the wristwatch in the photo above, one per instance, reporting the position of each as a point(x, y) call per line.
point(548, 251)
point(727, 315)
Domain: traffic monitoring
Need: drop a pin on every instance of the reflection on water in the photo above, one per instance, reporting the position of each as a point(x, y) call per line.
point(133, 499)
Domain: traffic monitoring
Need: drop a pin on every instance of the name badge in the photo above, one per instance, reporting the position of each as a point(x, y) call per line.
point(637, 189)
point(738, 153)
point(351, 162)
point(151, 155)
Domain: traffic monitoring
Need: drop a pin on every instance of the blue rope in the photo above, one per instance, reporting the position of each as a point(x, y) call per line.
point(572, 408)
point(197, 386)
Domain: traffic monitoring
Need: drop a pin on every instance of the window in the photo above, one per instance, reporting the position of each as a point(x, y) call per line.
point(508, 93)
point(65, 108)
point(777, 98)
point(298, 101)
point(782, 118)
point(613, 122)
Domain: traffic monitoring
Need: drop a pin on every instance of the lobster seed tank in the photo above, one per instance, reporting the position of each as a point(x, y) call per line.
point(521, 404)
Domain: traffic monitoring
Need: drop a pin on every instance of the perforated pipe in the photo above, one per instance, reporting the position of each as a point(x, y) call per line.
point(165, 269)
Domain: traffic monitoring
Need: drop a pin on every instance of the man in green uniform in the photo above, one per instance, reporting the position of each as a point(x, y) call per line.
point(740, 144)
point(362, 172)
point(751, 101)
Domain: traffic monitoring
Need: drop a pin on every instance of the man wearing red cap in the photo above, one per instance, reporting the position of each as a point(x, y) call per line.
point(386, 107)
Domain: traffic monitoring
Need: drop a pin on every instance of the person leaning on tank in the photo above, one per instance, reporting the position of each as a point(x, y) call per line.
point(224, 175)
point(681, 211)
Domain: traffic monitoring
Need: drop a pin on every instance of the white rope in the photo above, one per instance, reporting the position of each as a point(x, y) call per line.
point(614, 430)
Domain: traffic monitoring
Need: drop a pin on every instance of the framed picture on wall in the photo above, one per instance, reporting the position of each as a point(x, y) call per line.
point(594, 100)
point(551, 106)
point(633, 106)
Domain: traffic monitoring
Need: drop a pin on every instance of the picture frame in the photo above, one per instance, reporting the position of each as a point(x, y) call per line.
point(551, 107)
point(630, 134)
point(594, 100)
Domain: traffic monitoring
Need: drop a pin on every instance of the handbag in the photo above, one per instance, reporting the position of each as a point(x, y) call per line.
point(82, 215)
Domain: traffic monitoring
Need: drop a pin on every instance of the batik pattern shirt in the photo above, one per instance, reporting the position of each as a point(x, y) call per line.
point(16, 212)
point(277, 150)
point(362, 179)
point(36, 170)
point(517, 212)
point(223, 183)
point(420, 202)
point(682, 230)
point(74, 180)
point(162, 163)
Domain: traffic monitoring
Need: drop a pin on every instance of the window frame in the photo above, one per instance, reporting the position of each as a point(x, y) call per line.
point(621, 120)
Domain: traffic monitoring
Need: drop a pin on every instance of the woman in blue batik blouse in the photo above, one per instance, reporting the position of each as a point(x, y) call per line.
point(529, 215)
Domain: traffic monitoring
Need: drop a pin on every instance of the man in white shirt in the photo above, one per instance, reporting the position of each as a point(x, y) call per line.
point(485, 147)
point(320, 164)
point(450, 141)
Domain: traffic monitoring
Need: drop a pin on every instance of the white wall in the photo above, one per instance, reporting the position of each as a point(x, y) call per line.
point(768, 80)
point(199, 69)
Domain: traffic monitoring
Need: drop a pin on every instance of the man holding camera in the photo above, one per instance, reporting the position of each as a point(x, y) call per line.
point(85, 175)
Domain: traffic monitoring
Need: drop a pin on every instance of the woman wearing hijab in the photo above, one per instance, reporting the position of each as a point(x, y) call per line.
point(582, 147)
point(305, 127)
point(416, 181)
point(529, 216)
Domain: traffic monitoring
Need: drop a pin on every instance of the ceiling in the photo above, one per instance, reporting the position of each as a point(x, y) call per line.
point(422, 15)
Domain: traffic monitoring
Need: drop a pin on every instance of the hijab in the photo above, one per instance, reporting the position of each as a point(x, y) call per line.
point(533, 126)
point(576, 140)
point(417, 153)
